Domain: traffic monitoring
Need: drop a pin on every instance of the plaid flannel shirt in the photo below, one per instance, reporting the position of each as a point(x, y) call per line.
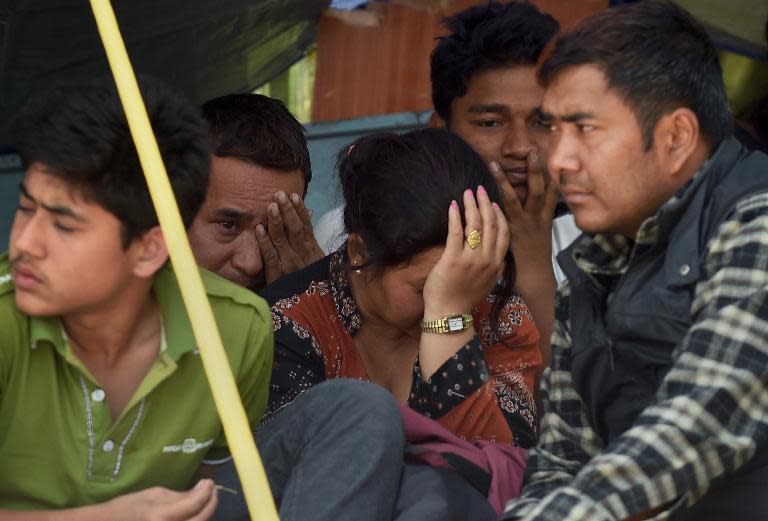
point(710, 412)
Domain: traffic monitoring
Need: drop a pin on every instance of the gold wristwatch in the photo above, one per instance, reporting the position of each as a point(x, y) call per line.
point(449, 324)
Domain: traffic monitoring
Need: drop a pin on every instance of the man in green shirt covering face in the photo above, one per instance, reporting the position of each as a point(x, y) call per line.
point(105, 411)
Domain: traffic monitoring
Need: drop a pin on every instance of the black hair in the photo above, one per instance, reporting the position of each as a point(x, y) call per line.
point(397, 190)
point(482, 38)
point(259, 130)
point(80, 133)
point(657, 57)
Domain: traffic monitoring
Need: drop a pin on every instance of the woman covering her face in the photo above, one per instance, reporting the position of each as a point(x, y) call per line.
point(419, 299)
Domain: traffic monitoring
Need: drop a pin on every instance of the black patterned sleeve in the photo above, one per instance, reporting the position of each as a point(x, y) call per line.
point(298, 363)
point(459, 377)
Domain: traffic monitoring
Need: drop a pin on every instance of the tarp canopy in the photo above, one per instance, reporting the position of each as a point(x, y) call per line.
point(738, 26)
point(203, 48)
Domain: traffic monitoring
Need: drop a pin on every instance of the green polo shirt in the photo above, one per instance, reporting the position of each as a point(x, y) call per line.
point(58, 444)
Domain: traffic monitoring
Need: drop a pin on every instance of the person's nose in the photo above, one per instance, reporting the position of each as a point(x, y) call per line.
point(28, 235)
point(563, 158)
point(518, 142)
point(247, 256)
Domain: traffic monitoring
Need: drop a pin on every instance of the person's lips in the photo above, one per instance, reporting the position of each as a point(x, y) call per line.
point(24, 278)
point(516, 176)
point(574, 195)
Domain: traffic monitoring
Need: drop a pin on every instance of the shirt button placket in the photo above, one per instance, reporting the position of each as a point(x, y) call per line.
point(98, 395)
point(104, 456)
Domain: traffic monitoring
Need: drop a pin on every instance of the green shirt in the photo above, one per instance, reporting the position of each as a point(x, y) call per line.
point(58, 444)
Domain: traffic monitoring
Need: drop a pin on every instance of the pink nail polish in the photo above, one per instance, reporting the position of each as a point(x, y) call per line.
point(468, 192)
point(495, 205)
point(454, 205)
point(481, 190)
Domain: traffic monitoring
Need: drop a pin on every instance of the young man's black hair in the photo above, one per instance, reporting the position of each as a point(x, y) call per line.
point(484, 37)
point(81, 135)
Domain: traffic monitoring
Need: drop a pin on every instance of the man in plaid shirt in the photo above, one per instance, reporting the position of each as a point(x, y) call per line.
point(655, 404)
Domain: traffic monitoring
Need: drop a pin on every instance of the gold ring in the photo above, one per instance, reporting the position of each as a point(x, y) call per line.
point(473, 239)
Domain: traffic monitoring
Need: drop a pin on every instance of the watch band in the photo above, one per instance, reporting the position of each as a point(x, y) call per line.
point(448, 324)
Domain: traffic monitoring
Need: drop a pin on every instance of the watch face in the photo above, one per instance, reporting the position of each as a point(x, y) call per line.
point(455, 323)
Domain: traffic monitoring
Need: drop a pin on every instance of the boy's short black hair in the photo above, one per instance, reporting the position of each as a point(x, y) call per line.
point(482, 38)
point(80, 133)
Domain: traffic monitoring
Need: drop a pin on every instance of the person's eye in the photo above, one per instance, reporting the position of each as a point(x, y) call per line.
point(226, 226)
point(63, 228)
point(24, 209)
point(584, 129)
point(488, 123)
point(540, 126)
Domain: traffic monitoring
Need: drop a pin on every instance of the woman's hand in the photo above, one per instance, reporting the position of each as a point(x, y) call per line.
point(464, 276)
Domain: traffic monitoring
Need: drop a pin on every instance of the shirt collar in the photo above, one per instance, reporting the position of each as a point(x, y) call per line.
point(177, 337)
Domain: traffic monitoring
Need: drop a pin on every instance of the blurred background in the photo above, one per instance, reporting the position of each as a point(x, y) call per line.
point(343, 67)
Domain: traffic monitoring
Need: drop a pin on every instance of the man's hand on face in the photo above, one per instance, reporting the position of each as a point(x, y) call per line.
point(530, 222)
point(530, 230)
point(288, 243)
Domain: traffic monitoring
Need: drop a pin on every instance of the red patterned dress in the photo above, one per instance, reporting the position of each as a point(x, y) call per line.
point(484, 391)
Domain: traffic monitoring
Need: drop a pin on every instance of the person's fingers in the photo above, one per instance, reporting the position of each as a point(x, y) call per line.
point(508, 196)
point(305, 214)
point(455, 240)
point(488, 232)
point(188, 505)
point(551, 197)
point(292, 223)
point(289, 260)
point(272, 268)
point(473, 220)
point(308, 249)
point(209, 508)
point(502, 234)
point(537, 184)
point(275, 226)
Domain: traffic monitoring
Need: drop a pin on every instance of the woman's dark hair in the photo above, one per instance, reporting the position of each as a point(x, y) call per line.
point(397, 190)
point(81, 135)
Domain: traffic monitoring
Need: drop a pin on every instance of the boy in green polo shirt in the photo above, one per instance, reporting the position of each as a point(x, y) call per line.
point(105, 411)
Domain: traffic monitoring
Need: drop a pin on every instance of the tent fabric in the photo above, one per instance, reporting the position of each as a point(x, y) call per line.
point(202, 48)
point(738, 26)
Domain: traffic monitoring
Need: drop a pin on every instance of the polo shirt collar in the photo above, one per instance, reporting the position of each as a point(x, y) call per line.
point(178, 337)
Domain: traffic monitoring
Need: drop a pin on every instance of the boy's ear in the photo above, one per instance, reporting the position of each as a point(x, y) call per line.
point(149, 252)
point(435, 121)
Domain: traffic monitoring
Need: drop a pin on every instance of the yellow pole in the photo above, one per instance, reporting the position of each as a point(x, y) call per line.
point(254, 481)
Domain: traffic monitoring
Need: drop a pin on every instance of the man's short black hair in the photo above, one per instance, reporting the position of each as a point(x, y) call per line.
point(482, 38)
point(80, 133)
point(657, 57)
point(259, 130)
